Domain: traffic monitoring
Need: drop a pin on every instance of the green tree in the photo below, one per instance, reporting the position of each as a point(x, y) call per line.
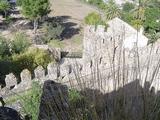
point(94, 19)
point(112, 10)
point(127, 7)
point(4, 7)
point(136, 16)
point(139, 11)
point(152, 21)
point(128, 17)
point(35, 9)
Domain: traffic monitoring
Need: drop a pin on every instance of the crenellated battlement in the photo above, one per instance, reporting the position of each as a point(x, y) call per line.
point(106, 58)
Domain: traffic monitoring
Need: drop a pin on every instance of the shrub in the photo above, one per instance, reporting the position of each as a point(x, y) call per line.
point(150, 23)
point(19, 2)
point(128, 17)
point(31, 102)
point(137, 24)
point(74, 97)
point(99, 3)
point(4, 7)
point(158, 35)
point(22, 61)
point(153, 37)
point(4, 47)
point(52, 31)
point(94, 19)
point(77, 103)
point(20, 43)
point(30, 60)
point(127, 7)
point(42, 58)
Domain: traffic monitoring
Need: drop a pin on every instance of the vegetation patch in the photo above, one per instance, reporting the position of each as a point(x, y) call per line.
point(56, 43)
point(30, 101)
point(20, 43)
point(145, 15)
point(30, 60)
point(99, 3)
point(94, 19)
point(51, 30)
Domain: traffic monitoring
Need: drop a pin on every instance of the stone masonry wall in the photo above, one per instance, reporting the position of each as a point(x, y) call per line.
point(106, 65)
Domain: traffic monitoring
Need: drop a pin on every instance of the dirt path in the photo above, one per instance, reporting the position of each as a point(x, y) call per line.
point(74, 12)
point(73, 8)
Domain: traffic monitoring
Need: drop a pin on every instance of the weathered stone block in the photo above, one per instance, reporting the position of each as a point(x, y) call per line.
point(39, 73)
point(26, 79)
point(56, 53)
point(53, 71)
point(10, 80)
point(25, 75)
point(65, 70)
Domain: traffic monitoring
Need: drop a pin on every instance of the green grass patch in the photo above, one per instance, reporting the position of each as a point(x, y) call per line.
point(30, 100)
point(56, 44)
point(19, 96)
point(77, 39)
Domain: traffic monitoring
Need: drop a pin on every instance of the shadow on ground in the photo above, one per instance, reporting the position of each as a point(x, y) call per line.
point(70, 28)
point(53, 104)
point(9, 114)
point(131, 102)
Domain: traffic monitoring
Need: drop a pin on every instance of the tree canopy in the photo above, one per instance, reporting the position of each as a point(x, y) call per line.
point(35, 9)
point(127, 7)
point(94, 19)
point(152, 20)
point(112, 10)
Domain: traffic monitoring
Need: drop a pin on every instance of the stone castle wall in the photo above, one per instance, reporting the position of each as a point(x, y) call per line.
point(106, 65)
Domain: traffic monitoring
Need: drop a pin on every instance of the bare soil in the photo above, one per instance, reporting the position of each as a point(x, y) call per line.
point(74, 9)
point(73, 12)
